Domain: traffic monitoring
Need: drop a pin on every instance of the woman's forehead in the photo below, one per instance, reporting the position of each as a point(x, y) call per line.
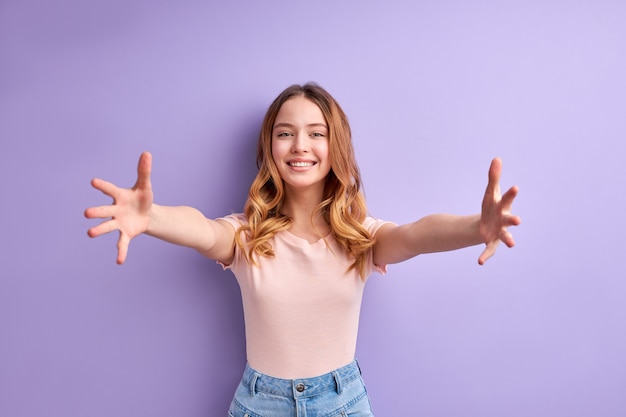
point(298, 111)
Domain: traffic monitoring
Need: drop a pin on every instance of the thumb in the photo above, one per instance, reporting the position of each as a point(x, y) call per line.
point(144, 168)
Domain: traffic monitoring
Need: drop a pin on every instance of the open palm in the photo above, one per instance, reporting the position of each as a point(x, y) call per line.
point(130, 211)
point(496, 214)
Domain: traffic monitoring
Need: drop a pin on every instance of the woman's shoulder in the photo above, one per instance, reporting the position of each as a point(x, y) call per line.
point(372, 224)
point(235, 219)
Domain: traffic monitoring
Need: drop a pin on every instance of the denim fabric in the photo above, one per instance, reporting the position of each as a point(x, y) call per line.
point(340, 393)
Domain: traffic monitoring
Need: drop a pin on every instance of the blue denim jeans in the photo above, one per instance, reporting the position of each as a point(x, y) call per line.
point(340, 393)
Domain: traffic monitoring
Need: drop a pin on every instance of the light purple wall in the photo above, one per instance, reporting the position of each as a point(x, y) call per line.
point(433, 90)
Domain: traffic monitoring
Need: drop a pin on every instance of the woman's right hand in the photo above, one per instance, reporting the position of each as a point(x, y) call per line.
point(130, 211)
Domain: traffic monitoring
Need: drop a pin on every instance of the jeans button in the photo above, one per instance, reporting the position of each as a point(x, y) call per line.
point(300, 387)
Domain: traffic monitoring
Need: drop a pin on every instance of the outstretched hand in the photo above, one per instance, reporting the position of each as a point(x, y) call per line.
point(496, 214)
point(130, 211)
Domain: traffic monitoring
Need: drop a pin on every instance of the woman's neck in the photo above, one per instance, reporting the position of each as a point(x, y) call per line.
point(301, 202)
point(300, 207)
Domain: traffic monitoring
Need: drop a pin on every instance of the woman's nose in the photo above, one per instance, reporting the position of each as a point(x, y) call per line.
point(299, 143)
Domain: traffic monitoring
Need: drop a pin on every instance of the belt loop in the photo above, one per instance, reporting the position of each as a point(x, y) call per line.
point(253, 383)
point(338, 382)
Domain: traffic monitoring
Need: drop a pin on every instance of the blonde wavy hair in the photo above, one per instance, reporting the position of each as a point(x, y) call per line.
point(343, 204)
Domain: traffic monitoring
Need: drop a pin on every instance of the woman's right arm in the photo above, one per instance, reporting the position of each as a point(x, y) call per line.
point(133, 212)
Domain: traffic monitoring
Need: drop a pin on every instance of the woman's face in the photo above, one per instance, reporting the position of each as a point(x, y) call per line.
point(300, 145)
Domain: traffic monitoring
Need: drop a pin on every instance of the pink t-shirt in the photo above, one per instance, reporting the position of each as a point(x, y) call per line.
point(301, 307)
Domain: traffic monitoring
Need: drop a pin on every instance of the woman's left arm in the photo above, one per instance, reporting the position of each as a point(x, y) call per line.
point(445, 232)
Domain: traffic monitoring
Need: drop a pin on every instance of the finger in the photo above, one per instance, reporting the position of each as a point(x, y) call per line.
point(144, 168)
point(511, 220)
point(509, 196)
point(103, 228)
point(122, 248)
point(106, 187)
point(489, 251)
point(507, 238)
point(101, 212)
point(495, 171)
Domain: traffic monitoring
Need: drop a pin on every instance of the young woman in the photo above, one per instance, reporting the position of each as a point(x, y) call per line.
point(301, 252)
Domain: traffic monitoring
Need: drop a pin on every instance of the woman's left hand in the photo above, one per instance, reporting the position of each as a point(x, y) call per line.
point(496, 214)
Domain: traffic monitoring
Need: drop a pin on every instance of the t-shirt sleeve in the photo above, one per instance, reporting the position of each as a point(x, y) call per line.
point(372, 225)
point(235, 220)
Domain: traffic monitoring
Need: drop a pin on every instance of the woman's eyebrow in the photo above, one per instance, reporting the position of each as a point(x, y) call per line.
point(284, 124)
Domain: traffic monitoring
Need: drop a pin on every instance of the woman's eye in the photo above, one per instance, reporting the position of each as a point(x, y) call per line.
point(317, 134)
point(284, 134)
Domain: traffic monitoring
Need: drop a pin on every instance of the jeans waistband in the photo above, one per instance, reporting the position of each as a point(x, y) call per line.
point(302, 387)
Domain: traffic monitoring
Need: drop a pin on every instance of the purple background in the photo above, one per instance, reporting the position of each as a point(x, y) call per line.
point(433, 90)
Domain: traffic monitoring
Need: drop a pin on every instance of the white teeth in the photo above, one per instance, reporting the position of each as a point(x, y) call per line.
point(301, 164)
